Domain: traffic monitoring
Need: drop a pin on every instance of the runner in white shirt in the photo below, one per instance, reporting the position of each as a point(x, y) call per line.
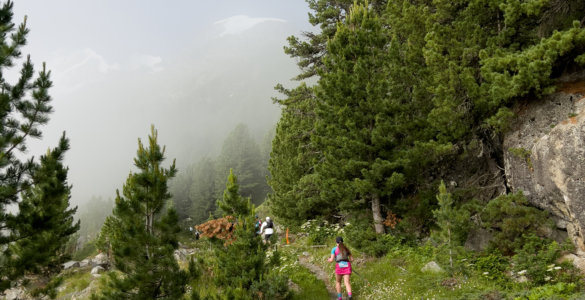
point(267, 229)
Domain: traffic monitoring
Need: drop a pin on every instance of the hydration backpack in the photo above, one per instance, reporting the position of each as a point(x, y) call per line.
point(269, 224)
point(341, 256)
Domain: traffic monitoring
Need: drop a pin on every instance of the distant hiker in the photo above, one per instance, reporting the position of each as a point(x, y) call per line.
point(267, 229)
point(197, 234)
point(343, 258)
point(257, 224)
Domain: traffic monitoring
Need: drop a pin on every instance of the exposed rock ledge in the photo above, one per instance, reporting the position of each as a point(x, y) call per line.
point(544, 156)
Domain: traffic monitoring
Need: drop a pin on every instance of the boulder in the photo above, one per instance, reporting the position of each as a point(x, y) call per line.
point(17, 293)
point(577, 261)
point(432, 267)
point(97, 270)
point(544, 156)
point(180, 254)
point(84, 263)
point(100, 260)
point(70, 264)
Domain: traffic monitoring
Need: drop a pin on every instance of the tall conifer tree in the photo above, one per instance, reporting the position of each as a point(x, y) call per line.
point(204, 189)
point(294, 182)
point(143, 249)
point(24, 107)
point(232, 203)
point(241, 264)
point(45, 220)
point(354, 116)
point(242, 153)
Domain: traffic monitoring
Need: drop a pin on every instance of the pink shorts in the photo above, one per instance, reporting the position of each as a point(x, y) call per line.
point(344, 269)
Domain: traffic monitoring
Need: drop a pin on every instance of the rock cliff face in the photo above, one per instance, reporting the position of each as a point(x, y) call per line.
point(544, 156)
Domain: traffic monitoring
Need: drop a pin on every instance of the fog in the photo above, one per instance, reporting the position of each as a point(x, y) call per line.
point(194, 69)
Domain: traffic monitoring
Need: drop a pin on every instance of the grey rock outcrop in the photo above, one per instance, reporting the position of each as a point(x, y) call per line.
point(16, 293)
point(70, 264)
point(100, 260)
point(96, 271)
point(544, 156)
point(84, 263)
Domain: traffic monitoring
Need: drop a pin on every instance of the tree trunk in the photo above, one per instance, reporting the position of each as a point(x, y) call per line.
point(377, 214)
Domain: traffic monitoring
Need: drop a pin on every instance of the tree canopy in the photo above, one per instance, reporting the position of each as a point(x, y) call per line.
point(403, 89)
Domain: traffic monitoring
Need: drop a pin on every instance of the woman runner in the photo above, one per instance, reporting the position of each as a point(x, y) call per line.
point(343, 258)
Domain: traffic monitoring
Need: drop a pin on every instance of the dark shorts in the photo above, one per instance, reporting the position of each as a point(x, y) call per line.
point(267, 236)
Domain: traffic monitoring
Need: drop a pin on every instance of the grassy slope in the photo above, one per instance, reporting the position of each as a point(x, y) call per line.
point(397, 275)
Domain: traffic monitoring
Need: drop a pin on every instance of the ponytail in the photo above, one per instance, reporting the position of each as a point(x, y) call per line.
point(343, 250)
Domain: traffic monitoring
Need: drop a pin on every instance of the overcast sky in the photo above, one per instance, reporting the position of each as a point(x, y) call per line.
point(194, 69)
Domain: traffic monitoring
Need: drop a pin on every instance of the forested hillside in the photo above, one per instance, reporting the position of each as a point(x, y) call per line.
point(409, 93)
point(198, 187)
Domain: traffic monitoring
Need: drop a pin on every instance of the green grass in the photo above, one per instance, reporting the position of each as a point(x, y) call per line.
point(74, 282)
point(397, 275)
point(309, 286)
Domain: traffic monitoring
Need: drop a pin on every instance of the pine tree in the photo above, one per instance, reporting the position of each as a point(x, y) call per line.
point(311, 47)
point(233, 204)
point(204, 190)
point(445, 76)
point(354, 117)
point(295, 185)
point(240, 264)
point(109, 232)
point(241, 153)
point(446, 216)
point(45, 221)
point(143, 249)
point(24, 107)
point(180, 188)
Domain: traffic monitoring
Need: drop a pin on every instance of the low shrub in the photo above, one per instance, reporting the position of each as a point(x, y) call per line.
point(493, 266)
point(320, 231)
point(274, 286)
point(538, 259)
point(360, 234)
point(510, 218)
point(560, 290)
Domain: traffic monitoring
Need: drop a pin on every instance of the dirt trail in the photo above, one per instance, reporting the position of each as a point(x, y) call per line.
point(320, 274)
